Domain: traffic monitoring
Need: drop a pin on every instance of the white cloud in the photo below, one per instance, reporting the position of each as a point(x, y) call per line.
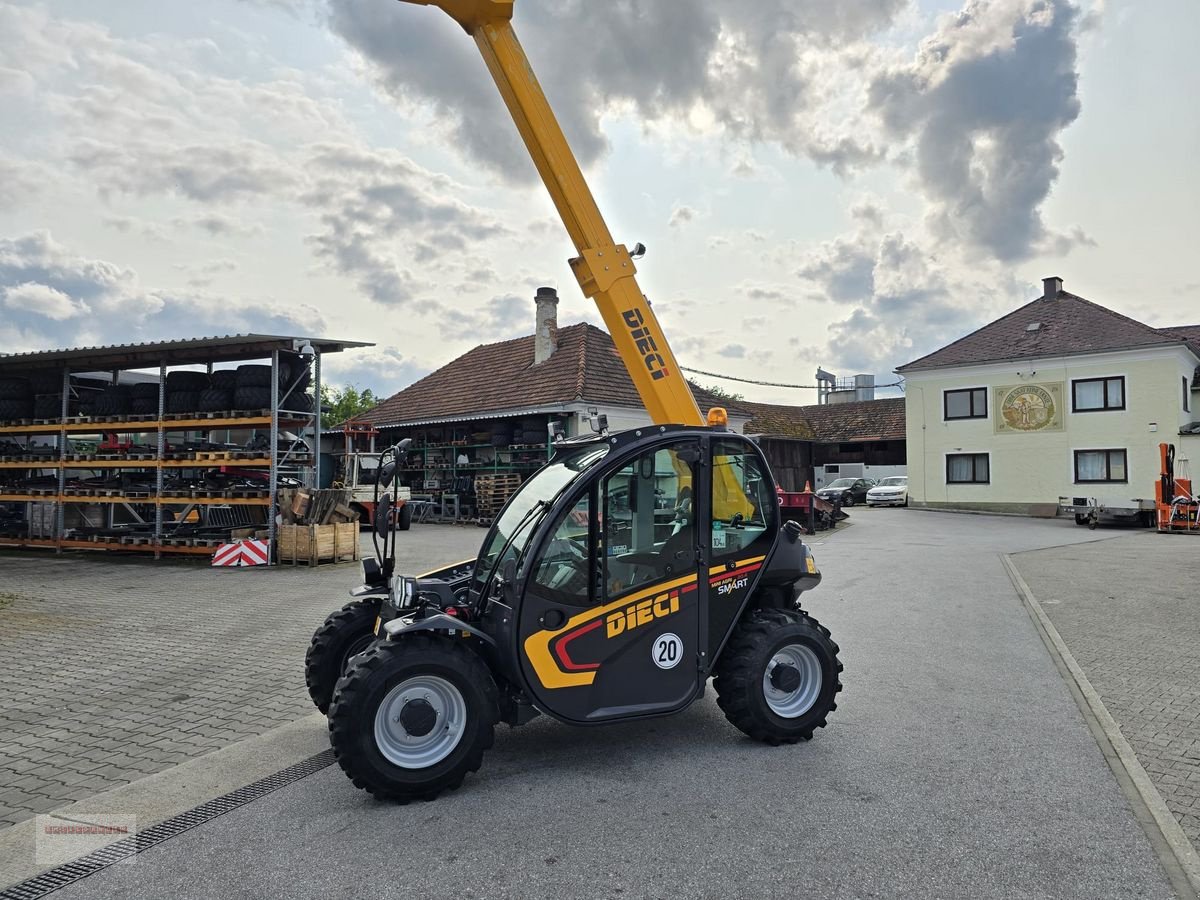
point(42, 300)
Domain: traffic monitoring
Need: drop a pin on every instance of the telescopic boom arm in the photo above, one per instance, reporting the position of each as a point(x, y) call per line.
point(603, 268)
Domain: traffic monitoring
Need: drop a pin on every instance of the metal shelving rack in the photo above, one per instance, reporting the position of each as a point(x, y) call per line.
point(295, 457)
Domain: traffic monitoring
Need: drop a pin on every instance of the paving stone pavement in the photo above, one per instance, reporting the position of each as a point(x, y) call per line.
point(196, 659)
point(1129, 610)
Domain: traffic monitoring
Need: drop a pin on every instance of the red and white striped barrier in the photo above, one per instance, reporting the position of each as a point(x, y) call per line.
point(243, 553)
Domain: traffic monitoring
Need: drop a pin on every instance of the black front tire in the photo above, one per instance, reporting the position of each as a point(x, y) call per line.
point(848, 500)
point(404, 518)
point(344, 634)
point(367, 683)
point(741, 670)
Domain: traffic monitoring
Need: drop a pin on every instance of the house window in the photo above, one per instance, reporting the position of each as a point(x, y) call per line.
point(1100, 466)
point(970, 403)
point(1095, 394)
point(968, 468)
point(1186, 395)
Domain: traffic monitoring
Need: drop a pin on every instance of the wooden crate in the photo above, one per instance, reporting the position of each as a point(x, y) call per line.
point(312, 545)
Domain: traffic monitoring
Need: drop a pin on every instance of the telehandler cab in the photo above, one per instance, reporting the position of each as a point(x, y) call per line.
point(618, 578)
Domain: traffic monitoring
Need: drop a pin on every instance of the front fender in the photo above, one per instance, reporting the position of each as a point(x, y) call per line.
point(436, 622)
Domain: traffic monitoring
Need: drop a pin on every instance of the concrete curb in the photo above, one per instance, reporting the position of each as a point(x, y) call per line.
point(1175, 851)
point(162, 795)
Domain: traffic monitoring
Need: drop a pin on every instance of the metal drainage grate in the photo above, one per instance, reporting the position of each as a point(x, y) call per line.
point(52, 880)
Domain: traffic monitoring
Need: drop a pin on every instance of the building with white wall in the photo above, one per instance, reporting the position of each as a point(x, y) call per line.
point(1061, 397)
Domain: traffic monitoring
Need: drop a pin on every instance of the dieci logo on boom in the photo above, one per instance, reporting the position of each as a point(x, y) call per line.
point(642, 613)
point(636, 323)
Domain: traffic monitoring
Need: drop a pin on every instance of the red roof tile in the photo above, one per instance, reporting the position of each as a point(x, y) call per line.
point(496, 377)
point(1067, 325)
point(862, 420)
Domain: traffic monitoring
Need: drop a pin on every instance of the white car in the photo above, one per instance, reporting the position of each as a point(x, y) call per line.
point(891, 491)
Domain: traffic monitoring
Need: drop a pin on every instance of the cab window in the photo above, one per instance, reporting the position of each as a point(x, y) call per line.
point(648, 518)
point(563, 572)
point(743, 501)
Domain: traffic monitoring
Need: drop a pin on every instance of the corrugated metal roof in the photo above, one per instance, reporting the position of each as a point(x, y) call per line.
point(226, 348)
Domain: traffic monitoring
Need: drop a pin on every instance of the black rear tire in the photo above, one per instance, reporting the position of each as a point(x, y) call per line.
point(344, 634)
point(404, 518)
point(743, 665)
point(368, 681)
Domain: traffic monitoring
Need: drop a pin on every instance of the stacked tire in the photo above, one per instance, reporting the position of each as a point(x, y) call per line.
point(253, 387)
point(184, 390)
point(502, 434)
point(16, 399)
point(144, 399)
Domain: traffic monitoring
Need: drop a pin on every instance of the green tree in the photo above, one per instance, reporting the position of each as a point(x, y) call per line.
point(338, 405)
point(717, 391)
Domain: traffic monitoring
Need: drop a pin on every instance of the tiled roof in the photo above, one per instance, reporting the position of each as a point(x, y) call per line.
point(1068, 325)
point(862, 420)
point(497, 377)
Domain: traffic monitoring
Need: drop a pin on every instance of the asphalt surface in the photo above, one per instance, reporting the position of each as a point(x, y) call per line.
point(957, 765)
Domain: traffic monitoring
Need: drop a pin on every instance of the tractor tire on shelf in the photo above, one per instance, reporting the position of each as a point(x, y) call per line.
point(249, 376)
point(533, 425)
point(113, 402)
point(186, 381)
point(786, 709)
point(215, 400)
point(252, 397)
point(183, 402)
point(223, 380)
point(501, 440)
point(146, 390)
point(46, 381)
point(533, 437)
point(342, 636)
point(143, 406)
point(47, 406)
point(15, 389)
point(12, 408)
point(403, 761)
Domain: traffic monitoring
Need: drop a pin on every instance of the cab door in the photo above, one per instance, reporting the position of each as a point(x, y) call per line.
point(611, 624)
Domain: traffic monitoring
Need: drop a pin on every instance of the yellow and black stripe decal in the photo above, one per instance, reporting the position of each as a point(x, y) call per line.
point(549, 652)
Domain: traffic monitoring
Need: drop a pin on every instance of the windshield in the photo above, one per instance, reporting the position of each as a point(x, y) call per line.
point(841, 483)
point(895, 481)
point(541, 488)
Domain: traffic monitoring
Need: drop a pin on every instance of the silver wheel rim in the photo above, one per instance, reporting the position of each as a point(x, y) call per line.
point(791, 704)
point(420, 751)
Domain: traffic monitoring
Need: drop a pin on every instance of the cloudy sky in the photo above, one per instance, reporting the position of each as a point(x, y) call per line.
point(845, 184)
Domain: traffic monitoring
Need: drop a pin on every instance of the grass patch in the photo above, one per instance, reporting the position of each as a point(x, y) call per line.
point(7, 599)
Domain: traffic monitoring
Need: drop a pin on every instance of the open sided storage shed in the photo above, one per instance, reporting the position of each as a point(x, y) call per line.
point(155, 486)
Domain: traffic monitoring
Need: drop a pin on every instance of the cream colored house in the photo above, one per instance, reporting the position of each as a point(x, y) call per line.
point(1060, 398)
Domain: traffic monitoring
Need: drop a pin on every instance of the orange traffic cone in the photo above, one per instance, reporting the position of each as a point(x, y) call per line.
point(808, 487)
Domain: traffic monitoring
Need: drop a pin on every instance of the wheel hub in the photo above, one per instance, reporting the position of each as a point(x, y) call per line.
point(792, 681)
point(418, 717)
point(785, 677)
point(420, 721)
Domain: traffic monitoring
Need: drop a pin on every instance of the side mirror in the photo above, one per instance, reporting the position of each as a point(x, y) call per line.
point(386, 472)
point(508, 579)
point(383, 515)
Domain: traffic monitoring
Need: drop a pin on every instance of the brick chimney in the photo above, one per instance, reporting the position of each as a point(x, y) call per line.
point(1050, 287)
point(545, 337)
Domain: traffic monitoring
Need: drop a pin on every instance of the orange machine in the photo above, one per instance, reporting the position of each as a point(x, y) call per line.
point(1178, 509)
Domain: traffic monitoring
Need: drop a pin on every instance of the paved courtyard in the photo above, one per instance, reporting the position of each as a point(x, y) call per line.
point(1130, 612)
point(112, 669)
point(956, 765)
